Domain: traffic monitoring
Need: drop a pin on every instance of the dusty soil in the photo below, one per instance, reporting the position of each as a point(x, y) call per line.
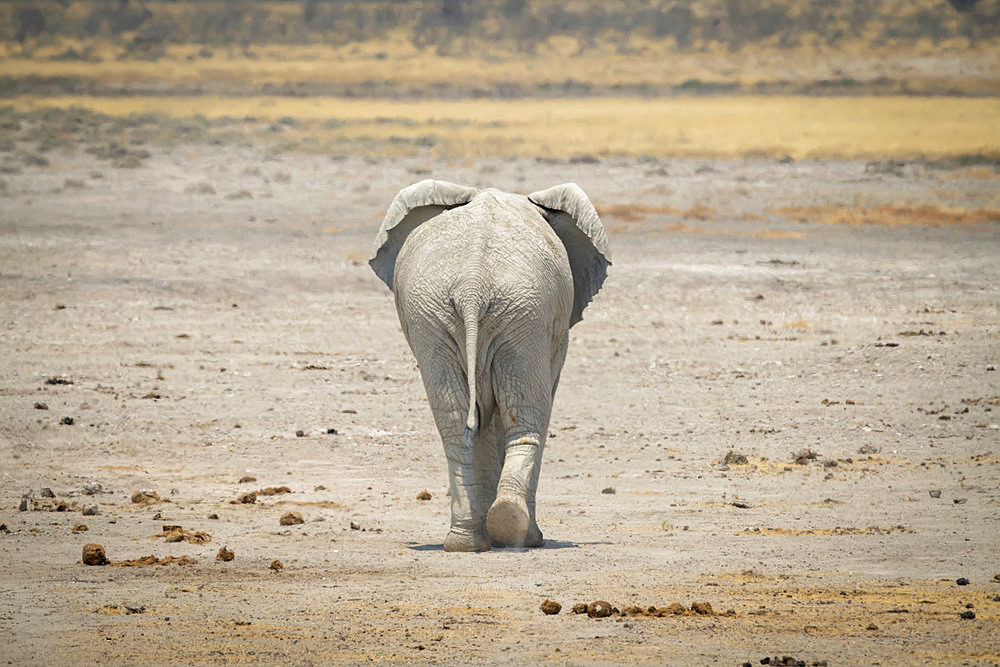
point(210, 316)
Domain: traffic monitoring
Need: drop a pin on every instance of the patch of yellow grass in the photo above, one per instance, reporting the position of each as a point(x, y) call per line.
point(930, 215)
point(802, 127)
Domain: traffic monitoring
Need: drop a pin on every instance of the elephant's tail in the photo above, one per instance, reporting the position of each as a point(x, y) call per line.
point(470, 318)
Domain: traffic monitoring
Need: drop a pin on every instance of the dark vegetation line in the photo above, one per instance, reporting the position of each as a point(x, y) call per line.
point(479, 27)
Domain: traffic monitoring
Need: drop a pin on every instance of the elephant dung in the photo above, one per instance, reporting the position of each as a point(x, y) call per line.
point(599, 609)
point(93, 554)
point(550, 608)
point(291, 519)
point(145, 497)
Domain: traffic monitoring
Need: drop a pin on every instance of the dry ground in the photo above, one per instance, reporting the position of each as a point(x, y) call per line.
point(196, 313)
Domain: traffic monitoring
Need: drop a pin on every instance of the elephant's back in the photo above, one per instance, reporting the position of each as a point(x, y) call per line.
point(497, 250)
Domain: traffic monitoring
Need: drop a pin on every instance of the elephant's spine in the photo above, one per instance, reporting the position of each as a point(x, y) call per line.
point(470, 318)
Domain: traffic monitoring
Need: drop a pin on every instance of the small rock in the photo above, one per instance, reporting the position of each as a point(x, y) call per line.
point(247, 478)
point(248, 498)
point(968, 615)
point(869, 449)
point(46, 492)
point(331, 431)
point(93, 554)
point(580, 608)
point(960, 501)
point(41, 406)
point(276, 565)
point(300, 434)
point(355, 526)
point(66, 421)
point(319, 488)
point(551, 608)
point(291, 519)
point(225, 555)
point(92, 488)
point(608, 490)
point(80, 528)
point(599, 609)
point(962, 581)
point(872, 626)
point(25, 504)
point(90, 510)
point(424, 495)
point(213, 516)
point(935, 493)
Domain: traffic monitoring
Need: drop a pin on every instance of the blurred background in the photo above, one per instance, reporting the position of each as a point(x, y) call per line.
point(548, 78)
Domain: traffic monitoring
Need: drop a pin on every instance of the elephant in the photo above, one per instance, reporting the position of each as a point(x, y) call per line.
point(487, 285)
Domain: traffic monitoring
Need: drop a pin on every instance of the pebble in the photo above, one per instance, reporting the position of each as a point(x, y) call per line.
point(91, 510)
point(962, 581)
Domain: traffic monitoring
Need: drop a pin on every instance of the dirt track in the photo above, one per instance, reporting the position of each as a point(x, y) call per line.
point(194, 333)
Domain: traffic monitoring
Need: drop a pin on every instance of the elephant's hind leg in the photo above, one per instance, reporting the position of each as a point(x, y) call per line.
point(524, 402)
point(447, 393)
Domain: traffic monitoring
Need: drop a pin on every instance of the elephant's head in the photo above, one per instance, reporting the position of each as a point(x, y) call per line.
point(565, 207)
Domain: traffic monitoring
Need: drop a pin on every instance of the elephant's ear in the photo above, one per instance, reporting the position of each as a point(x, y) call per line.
point(572, 216)
point(412, 206)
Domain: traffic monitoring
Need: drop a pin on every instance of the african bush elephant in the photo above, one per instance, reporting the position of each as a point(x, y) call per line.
point(487, 285)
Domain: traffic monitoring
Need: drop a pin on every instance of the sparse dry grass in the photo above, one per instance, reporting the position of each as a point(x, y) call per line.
point(630, 61)
point(930, 215)
point(743, 126)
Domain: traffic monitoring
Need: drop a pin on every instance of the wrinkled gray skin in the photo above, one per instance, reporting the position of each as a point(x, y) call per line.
point(487, 285)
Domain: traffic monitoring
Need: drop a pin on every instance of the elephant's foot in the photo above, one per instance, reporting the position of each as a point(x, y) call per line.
point(509, 524)
point(534, 538)
point(466, 541)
